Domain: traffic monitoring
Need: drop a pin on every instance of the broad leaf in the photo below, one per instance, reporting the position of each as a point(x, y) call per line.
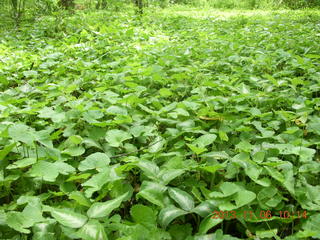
point(103, 209)
point(68, 217)
point(181, 197)
point(92, 230)
point(168, 214)
point(115, 137)
point(23, 133)
point(96, 161)
point(152, 192)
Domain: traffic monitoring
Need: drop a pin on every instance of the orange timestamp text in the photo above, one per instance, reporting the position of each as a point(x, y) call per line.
point(257, 215)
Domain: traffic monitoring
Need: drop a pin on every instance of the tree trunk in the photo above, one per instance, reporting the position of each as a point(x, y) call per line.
point(103, 4)
point(139, 4)
point(66, 4)
point(17, 9)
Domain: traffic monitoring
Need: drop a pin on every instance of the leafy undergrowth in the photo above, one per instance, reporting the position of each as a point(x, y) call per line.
point(116, 127)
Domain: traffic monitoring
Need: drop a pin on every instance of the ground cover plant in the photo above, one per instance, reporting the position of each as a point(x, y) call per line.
point(178, 124)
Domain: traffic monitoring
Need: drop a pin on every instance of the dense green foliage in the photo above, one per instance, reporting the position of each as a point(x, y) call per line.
point(123, 127)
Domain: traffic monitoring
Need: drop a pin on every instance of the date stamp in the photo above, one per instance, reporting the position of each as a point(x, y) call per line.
point(227, 215)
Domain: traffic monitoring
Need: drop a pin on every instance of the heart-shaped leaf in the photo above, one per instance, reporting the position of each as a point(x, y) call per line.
point(115, 137)
point(94, 161)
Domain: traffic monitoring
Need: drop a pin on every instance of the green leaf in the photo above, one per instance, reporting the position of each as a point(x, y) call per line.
point(40, 169)
point(223, 136)
point(18, 221)
point(75, 139)
point(216, 155)
point(244, 146)
point(103, 209)
point(23, 133)
point(159, 142)
point(92, 230)
point(195, 149)
point(227, 189)
point(115, 137)
point(63, 168)
point(305, 154)
point(91, 116)
point(205, 208)
point(167, 175)
point(3, 218)
point(312, 226)
point(78, 177)
point(205, 140)
point(30, 73)
point(267, 233)
point(22, 163)
point(149, 168)
point(244, 197)
point(80, 198)
point(208, 223)
point(44, 230)
point(168, 214)
point(116, 110)
point(164, 92)
point(289, 182)
point(275, 174)
point(232, 193)
point(258, 157)
point(181, 197)
point(212, 169)
point(74, 151)
point(6, 150)
point(68, 217)
point(55, 116)
point(121, 187)
point(180, 232)
point(153, 192)
point(33, 210)
point(96, 182)
point(267, 194)
point(96, 161)
point(143, 215)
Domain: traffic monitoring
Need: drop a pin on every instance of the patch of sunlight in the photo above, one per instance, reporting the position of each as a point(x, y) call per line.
point(229, 13)
point(158, 38)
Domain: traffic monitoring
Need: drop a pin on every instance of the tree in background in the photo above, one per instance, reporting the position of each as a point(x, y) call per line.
point(139, 5)
point(66, 4)
point(101, 4)
point(295, 4)
point(17, 9)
